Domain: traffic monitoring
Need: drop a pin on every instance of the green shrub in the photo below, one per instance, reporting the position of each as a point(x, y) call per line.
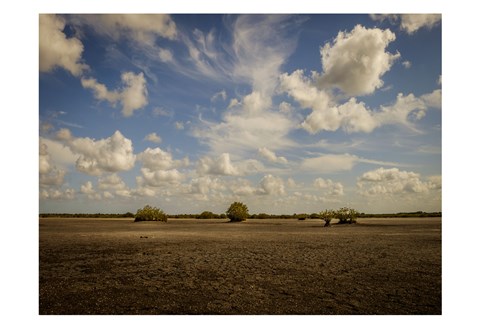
point(346, 215)
point(206, 215)
point(237, 212)
point(327, 216)
point(149, 213)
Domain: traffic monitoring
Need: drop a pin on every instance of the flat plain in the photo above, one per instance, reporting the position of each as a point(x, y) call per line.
point(270, 266)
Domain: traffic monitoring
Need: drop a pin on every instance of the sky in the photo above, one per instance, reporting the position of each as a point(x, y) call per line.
point(285, 113)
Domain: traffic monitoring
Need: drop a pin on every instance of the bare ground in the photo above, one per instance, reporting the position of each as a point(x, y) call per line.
point(108, 266)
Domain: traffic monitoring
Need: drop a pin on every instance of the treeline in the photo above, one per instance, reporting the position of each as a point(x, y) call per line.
point(418, 214)
point(210, 215)
point(87, 215)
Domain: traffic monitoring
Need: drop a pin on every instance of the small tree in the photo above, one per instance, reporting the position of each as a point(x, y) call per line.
point(346, 215)
point(237, 212)
point(327, 216)
point(149, 213)
point(206, 215)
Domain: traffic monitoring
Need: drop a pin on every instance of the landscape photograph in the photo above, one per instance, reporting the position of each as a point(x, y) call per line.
point(240, 164)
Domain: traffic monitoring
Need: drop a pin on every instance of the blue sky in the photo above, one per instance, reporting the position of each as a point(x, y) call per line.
point(286, 113)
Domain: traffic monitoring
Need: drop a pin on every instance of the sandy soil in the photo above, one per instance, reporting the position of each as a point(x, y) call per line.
point(107, 266)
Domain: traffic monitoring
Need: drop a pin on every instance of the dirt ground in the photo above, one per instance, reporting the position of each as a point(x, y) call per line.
point(116, 266)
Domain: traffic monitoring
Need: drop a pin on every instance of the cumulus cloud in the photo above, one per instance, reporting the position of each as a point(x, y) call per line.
point(413, 22)
point(87, 188)
point(57, 194)
point(331, 188)
point(132, 96)
point(50, 175)
point(153, 137)
point(271, 185)
point(112, 181)
point(56, 50)
point(355, 61)
point(204, 185)
point(330, 163)
point(158, 159)
point(242, 187)
point(142, 29)
point(157, 178)
point(271, 156)
point(219, 166)
point(159, 168)
point(245, 131)
point(394, 181)
point(165, 55)
point(433, 99)
point(112, 154)
point(410, 23)
point(408, 108)
point(352, 116)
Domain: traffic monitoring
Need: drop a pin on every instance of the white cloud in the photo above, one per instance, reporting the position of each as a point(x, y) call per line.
point(219, 166)
point(261, 45)
point(112, 154)
point(204, 185)
point(352, 116)
point(112, 181)
point(56, 50)
point(219, 95)
point(57, 194)
point(413, 22)
point(153, 137)
point(87, 188)
point(158, 159)
point(271, 185)
point(143, 29)
point(394, 181)
point(242, 187)
point(165, 55)
point(245, 131)
point(410, 22)
point(407, 64)
point(271, 156)
point(285, 107)
point(132, 96)
point(157, 178)
point(108, 195)
point(435, 182)
point(179, 125)
point(332, 188)
point(158, 169)
point(433, 99)
point(330, 163)
point(50, 175)
point(355, 62)
point(159, 111)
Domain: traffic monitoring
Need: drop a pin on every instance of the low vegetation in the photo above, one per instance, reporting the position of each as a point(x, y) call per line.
point(207, 215)
point(237, 212)
point(149, 213)
point(327, 216)
point(346, 215)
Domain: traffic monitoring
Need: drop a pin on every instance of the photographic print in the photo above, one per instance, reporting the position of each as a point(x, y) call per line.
point(240, 164)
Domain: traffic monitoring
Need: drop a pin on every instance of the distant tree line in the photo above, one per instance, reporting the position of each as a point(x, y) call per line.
point(87, 215)
point(211, 215)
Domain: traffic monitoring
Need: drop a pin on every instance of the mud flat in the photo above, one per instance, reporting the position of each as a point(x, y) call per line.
point(116, 266)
